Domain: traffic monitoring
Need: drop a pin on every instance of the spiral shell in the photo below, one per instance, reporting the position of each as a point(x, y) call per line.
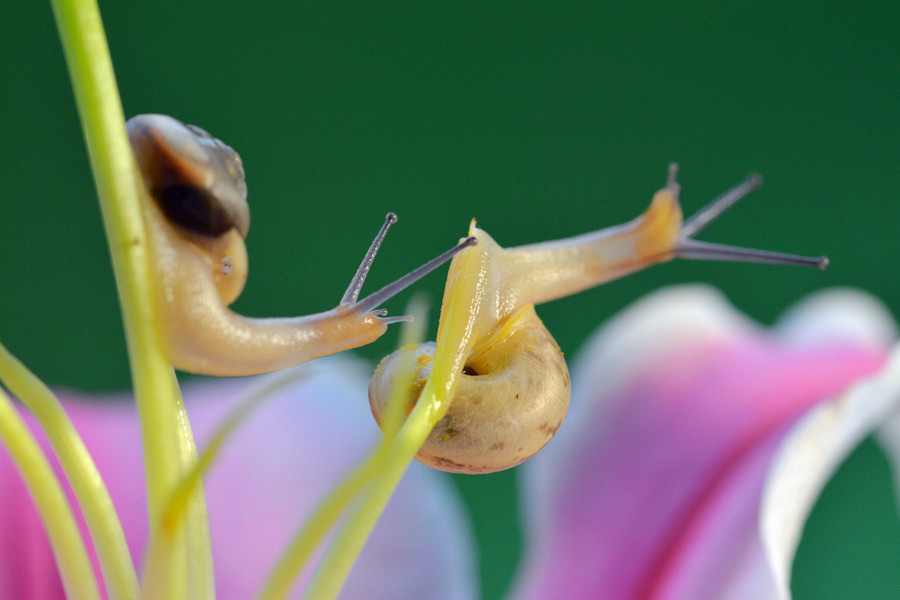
point(512, 397)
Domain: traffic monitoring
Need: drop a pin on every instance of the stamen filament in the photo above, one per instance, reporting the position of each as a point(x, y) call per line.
point(75, 568)
point(293, 559)
point(93, 498)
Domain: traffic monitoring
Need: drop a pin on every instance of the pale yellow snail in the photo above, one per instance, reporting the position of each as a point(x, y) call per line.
point(196, 214)
point(509, 385)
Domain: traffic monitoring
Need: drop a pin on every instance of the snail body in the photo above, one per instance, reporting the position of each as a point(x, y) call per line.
point(193, 197)
point(501, 389)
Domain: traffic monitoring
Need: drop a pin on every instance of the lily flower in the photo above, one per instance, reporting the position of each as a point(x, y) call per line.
point(697, 444)
point(267, 480)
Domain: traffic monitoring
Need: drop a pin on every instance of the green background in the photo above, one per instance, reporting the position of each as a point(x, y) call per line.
point(543, 120)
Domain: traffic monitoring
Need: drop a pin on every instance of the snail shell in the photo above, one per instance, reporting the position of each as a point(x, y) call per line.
point(511, 399)
point(195, 208)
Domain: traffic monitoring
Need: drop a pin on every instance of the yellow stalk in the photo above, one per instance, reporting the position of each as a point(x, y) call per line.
point(177, 508)
point(166, 434)
point(309, 536)
point(51, 502)
point(93, 497)
point(454, 342)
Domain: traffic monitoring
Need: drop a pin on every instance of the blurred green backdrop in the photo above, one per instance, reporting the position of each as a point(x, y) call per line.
point(543, 120)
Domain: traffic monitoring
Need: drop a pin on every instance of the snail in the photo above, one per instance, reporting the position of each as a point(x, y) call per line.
point(195, 210)
point(507, 381)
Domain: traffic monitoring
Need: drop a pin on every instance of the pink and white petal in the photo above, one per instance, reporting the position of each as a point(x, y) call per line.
point(811, 453)
point(269, 477)
point(652, 487)
point(642, 335)
point(839, 314)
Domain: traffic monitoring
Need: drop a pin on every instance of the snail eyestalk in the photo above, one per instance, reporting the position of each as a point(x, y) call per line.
point(694, 250)
point(714, 209)
point(689, 248)
point(352, 293)
point(392, 289)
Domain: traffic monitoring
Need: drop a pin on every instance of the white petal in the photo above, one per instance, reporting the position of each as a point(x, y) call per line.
point(811, 453)
point(839, 314)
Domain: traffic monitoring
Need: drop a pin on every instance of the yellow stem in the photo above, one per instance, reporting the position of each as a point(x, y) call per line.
point(93, 497)
point(283, 577)
point(386, 465)
point(334, 568)
point(166, 434)
point(309, 536)
point(56, 514)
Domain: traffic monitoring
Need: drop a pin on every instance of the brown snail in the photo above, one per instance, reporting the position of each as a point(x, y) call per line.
point(196, 214)
point(505, 390)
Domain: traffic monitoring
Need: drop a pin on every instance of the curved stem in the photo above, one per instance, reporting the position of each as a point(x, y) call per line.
point(283, 577)
point(50, 500)
point(454, 342)
point(93, 497)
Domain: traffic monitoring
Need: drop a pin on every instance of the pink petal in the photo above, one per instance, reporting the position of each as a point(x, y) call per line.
point(652, 487)
point(284, 459)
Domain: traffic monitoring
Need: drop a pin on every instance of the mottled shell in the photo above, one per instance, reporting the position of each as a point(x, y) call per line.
point(195, 208)
point(512, 398)
point(196, 179)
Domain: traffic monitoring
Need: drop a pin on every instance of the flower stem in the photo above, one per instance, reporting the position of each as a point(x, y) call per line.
point(180, 502)
point(166, 436)
point(68, 546)
point(93, 497)
point(454, 342)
